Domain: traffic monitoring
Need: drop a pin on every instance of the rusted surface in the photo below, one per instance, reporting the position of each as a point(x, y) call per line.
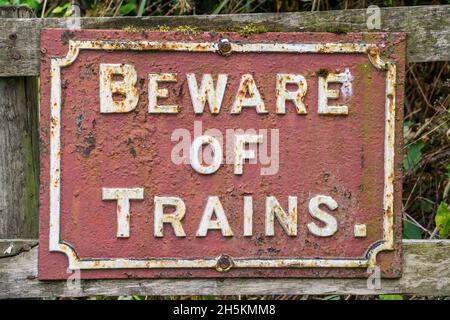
point(331, 209)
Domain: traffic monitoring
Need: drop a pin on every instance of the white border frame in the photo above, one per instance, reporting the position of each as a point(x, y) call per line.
point(55, 244)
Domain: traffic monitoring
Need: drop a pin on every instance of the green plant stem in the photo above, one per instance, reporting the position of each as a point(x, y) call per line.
point(141, 8)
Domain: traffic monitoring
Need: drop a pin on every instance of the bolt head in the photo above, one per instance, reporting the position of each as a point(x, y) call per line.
point(373, 51)
point(224, 47)
point(224, 263)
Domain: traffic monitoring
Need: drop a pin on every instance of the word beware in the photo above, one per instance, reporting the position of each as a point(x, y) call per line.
point(119, 80)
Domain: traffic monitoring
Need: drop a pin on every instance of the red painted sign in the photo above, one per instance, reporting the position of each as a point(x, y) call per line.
point(220, 155)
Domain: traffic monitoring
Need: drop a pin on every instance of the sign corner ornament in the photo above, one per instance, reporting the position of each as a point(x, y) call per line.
point(270, 155)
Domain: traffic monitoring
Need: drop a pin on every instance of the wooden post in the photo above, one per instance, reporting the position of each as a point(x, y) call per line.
point(19, 153)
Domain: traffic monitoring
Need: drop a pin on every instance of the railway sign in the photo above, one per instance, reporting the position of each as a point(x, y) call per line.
point(166, 154)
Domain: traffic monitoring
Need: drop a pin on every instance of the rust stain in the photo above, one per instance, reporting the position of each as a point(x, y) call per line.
point(132, 148)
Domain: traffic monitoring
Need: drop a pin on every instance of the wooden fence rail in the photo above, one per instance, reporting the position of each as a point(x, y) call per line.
point(425, 263)
point(427, 27)
point(425, 272)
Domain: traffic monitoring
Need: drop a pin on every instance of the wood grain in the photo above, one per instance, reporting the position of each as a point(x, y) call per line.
point(425, 272)
point(427, 28)
point(19, 166)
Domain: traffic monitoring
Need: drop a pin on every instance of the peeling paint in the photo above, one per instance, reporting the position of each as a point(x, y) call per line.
point(247, 96)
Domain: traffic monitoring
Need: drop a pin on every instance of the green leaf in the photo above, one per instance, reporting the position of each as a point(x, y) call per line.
point(413, 155)
point(426, 205)
point(408, 124)
point(390, 297)
point(411, 231)
point(442, 219)
point(70, 11)
point(220, 7)
point(128, 8)
point(61, 9)
point(33, 4)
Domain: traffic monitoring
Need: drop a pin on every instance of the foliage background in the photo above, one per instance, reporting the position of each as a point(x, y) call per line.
point(426, 178)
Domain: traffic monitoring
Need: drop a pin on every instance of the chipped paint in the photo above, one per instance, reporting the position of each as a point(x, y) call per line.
point(248, 95)
point(346, 88)
point(296, 96)
point(345, 79)
point(329, 221)
point(360, 230)
point(123, 197)
point(125, 87)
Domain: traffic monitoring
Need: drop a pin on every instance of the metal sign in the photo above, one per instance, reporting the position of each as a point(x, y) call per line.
point(220, 155)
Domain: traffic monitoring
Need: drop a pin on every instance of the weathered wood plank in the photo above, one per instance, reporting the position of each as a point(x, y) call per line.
point(18, 158)
point(428, 29)
point(12, 247)
point(18, 150)
point(425, 272)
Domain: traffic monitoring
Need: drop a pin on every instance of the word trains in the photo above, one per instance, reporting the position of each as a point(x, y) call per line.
point(120, 80)
point(273, 210)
